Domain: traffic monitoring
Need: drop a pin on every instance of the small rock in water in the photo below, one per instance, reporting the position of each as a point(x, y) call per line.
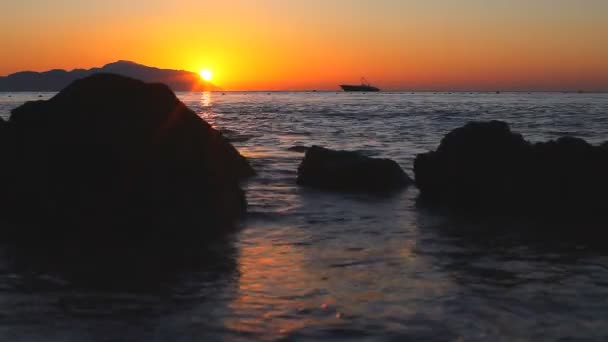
point(298, 148)
point(350, 171)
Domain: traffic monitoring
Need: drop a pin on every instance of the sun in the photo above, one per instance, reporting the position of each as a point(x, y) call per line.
point(206, 74)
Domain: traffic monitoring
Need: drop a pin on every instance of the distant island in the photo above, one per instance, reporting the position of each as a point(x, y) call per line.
point(57, 79)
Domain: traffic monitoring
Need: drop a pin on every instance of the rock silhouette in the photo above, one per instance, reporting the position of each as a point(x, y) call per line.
point(349, 171)
point(485, 166)
point(5, 161)
point(298, 149)
point(113, 157)
point(3, 126)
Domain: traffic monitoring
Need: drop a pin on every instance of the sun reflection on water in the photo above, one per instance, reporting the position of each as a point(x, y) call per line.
point(289, 287)
point(205, 111)
point(277, 290)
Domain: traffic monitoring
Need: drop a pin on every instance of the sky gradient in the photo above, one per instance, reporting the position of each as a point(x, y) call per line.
point(315, 44)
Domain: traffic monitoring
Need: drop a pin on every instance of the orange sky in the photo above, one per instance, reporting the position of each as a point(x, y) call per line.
point(314, 44)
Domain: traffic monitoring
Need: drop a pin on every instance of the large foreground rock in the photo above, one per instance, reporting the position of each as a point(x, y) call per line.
point(349, 171)
point(485, 166)
point(3, 129)
point(110, 155)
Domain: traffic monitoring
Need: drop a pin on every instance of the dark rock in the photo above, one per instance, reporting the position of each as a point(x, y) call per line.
point(6, 161)
point(349, 171)
point(471, 161)
point(4, 135)
point(298, 149)
point(113, 156)
point(485, 166)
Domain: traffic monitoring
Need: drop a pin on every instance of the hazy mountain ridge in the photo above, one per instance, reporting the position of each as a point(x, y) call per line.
point(57, 79)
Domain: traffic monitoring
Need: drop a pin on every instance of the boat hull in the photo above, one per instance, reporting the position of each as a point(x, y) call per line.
point(348, 87)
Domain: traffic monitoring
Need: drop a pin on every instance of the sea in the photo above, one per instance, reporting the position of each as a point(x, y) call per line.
point(312, 265)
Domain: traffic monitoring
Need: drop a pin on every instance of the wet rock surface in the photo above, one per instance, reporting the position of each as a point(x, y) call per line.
point(349, 171)
point(298, 149)
point(485, 166)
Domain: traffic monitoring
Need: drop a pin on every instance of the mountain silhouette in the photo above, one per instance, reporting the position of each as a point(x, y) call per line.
point(57, 79)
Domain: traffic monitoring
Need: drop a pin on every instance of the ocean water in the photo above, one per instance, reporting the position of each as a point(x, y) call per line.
point(315, 265)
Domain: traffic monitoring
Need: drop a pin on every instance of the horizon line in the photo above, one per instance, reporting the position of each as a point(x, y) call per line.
point(582, 92)
point(444, 90)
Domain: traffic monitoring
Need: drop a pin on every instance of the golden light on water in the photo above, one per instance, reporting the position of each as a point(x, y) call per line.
point(206, 74)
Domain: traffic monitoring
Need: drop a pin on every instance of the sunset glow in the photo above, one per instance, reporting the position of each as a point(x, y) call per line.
point(273, 45)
